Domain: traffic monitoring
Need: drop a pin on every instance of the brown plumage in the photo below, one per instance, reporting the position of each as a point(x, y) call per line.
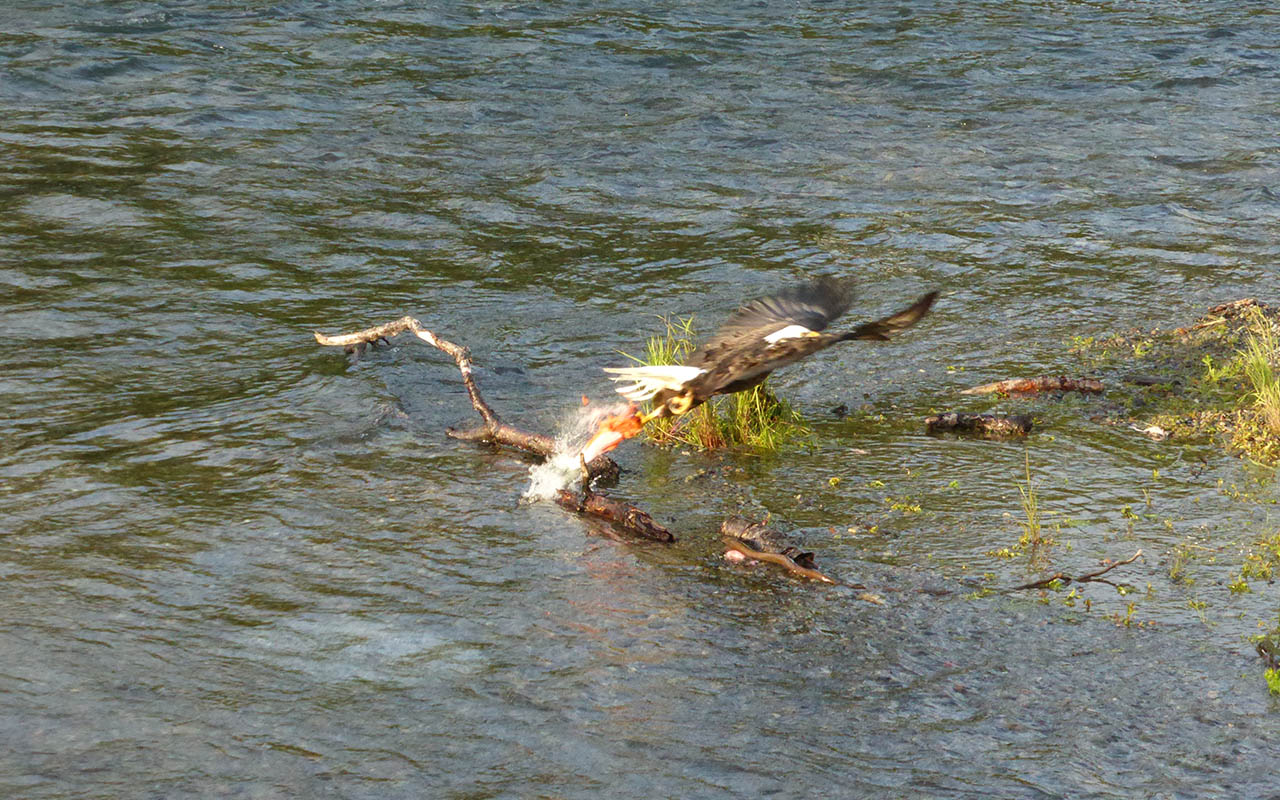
point(764, 335)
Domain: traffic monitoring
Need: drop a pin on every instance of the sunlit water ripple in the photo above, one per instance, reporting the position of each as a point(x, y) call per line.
point(237, 565)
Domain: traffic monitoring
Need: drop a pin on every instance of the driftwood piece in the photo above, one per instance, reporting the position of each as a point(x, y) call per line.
point(981, 424)
point(756, 541)
point(1089, 577)
point(784, 560)
point(1224, 312)
point(1044, 383)
point(495, 431)
point(622, 514)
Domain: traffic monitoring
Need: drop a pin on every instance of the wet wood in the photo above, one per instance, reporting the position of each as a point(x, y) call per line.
point(784, 560)
point(1089, 577)
point(624, 515)
point(494, 431)
point(1232, 309)
point(992, 425)
point(1044, 383)
point(757, 541)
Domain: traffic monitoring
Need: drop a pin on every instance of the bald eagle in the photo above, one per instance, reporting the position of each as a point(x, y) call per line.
point(762, 336)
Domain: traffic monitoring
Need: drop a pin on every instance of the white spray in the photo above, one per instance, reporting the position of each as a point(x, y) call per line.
point(564, 468)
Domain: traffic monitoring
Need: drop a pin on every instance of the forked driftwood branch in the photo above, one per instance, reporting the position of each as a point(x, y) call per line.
point(1089, 577)
point(1044, 383)
point(494, 431)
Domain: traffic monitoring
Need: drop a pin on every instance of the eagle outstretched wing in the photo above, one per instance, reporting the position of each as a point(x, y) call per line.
point(760, 337)
point(811, 306)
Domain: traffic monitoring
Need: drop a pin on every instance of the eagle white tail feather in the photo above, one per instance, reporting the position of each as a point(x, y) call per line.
point(645, 382)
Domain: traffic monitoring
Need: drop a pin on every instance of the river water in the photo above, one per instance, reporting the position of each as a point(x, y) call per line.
point(237, 565)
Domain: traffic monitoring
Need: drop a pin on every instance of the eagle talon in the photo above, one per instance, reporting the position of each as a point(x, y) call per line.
point(762, 336)
point(680, 404)
point(650, 416)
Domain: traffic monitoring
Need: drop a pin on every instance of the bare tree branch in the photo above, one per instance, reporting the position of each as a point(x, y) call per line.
point(1088, 577)
point(495, 431)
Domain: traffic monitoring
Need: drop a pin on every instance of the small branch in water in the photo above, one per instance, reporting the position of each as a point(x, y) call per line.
point(1089, 577)
point(1044, 383)
point(783, 560)
point(757, 541)
point(624, 515)
point(983, 424)
point(495, 431)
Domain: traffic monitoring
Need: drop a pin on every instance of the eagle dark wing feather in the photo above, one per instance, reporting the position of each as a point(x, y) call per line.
point(882, 329)
point(739, 356)
point(814, 305)
point(733, 368)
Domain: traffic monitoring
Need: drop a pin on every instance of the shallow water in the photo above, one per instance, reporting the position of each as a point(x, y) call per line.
point(237, 565)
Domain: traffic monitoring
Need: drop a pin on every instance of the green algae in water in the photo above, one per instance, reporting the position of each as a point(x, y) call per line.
point(1219, 379)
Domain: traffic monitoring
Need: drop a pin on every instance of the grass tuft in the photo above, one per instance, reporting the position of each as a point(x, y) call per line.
point(1261, 358)
point(757, 418)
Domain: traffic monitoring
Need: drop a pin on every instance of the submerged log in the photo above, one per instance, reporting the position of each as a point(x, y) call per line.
point(624, 515)
point(1044, 383)
point(494, 431)
point(981, 424)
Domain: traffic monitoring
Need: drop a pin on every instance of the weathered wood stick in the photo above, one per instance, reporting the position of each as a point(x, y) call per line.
point(759, 542)
point(494, 430)
point(983, 424)
point(782, 560)
point(622, 514)
point(627, 517)
point(1088, 577)
point(1044, 383)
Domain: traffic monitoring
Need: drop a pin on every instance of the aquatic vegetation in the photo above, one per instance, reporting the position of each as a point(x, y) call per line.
point(1272, 676)
point(1033, 540)
point(1239, 586)
point(1033, 537)
point(1261, 363)
point(756, 418)
point(1181, 557)
point(903, 504)
point(1261, 562)
point(1218, 379)
point(1126, 619)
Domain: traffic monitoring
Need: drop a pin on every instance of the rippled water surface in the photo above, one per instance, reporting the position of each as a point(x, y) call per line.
point(237, 565)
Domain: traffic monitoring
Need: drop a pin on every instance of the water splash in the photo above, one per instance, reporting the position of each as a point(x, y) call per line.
point(563, 467)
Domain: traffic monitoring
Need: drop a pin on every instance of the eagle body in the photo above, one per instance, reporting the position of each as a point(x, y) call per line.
point(760, 337)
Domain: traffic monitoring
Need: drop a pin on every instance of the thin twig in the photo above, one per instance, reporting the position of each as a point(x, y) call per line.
point(494, 430)
point(1088, 577)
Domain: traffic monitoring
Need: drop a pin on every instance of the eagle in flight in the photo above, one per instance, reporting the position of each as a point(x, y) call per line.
point(762, 336)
